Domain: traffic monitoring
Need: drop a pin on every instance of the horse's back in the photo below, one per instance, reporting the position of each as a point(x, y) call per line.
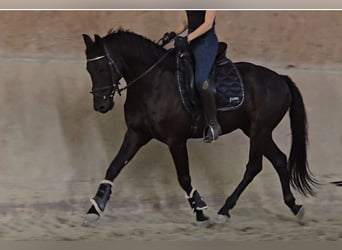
point(261, 78)
point(259, 72)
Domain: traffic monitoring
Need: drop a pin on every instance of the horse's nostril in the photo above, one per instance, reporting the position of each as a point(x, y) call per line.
point(102, 108)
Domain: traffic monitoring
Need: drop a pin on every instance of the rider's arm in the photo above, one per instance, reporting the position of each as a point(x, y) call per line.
point(204, 27)
point(183, 25)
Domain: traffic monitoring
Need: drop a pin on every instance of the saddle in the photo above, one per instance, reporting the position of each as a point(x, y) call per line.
point(224, 77)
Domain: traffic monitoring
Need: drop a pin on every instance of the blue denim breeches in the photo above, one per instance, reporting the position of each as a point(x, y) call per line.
point(204, 49)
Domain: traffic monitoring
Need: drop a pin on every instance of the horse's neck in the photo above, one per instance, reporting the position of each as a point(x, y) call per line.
point(136, 64)
point(134, 67)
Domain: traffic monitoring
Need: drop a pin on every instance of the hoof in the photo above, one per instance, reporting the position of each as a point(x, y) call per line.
point(91, 219)
point(300, 215)
point(200, 216)
point(92, 216)
point(220, 219)
point(205, 223)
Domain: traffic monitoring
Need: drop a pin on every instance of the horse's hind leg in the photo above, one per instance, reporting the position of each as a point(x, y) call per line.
point(132, 143)
point(254, 166)
point(278, 160)
point(179, 154)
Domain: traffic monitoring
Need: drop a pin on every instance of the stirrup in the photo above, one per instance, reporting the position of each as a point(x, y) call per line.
point(211, 133)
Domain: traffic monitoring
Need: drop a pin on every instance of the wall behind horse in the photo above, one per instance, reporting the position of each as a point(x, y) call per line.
point(54, 145)
point(300, 38)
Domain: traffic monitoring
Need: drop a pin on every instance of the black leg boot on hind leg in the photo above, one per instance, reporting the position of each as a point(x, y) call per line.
point(213, 129)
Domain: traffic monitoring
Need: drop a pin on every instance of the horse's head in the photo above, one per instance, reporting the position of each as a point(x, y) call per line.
point(104, 73)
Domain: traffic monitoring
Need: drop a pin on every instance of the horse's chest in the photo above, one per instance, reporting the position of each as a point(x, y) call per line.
point(142, 117)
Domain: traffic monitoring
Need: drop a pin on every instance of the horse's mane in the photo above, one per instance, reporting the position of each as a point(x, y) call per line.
point(139, 43)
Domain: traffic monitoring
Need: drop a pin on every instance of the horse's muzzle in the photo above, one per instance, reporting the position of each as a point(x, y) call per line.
point(104, 107)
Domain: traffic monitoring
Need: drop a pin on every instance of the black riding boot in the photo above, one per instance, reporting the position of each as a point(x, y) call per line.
point(213, 128)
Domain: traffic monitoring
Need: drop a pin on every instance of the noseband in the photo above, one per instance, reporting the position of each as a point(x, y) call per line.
point(114, 70)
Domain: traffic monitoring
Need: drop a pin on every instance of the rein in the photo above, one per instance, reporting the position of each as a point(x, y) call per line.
point(148, 70)
point(114, 69)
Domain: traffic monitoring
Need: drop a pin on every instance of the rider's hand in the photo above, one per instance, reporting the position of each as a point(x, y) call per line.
point(168, 36)
point(181, 42)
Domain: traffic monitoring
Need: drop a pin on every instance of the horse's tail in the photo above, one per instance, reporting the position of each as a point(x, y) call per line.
point(300, 176)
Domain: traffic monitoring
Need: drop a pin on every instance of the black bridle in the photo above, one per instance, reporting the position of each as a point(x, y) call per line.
point(114, 71)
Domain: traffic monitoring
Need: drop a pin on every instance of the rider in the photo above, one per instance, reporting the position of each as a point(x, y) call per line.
point(204, 45)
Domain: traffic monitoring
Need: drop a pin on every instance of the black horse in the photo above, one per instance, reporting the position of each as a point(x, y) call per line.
point(153, 109)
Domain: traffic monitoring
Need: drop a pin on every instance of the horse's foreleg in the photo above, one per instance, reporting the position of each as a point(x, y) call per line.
point(254, 166)
point(132, 143)
point(179, 154)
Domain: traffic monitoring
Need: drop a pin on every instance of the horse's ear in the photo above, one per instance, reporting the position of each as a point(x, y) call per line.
point(97, 38)
point(87, 40)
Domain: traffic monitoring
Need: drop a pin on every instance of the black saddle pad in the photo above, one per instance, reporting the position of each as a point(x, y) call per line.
point(229, 87)
point(229, 90)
